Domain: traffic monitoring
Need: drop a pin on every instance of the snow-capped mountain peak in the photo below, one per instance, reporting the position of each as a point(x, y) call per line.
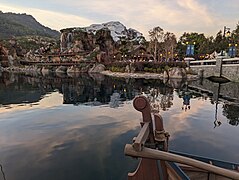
point(117, 30)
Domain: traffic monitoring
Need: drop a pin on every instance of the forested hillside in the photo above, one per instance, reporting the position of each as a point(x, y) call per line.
point(12, 24)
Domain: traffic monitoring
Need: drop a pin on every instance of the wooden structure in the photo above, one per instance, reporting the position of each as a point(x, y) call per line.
point(139, 52)
point(156, 163)
point(66, 63)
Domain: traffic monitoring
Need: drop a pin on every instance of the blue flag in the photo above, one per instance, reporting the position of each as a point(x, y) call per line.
point(190, 50)
point(232, 51)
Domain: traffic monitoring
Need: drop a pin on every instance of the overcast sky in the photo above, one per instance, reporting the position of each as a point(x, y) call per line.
point(177, 16)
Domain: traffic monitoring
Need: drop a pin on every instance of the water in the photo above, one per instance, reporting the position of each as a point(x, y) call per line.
point(76, 128)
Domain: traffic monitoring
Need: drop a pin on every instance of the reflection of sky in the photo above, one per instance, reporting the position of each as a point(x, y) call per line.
point(193, 131)
point(66, 141)
point(48, 101)
point(51, 140)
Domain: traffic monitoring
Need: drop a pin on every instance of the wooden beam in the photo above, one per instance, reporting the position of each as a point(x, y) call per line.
point(142, 137)
point(166, 156)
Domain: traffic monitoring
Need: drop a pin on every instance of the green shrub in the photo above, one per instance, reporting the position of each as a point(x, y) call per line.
point(159, 70)
point(166, 68)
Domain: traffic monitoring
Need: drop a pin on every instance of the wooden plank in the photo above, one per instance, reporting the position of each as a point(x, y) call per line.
point(142, 137)
point(147, 170)
point(172, 175)
point(216, 162)
point(166, 156)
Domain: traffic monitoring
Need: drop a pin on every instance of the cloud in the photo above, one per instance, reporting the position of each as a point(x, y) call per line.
point(176, 16)
point(144, 15)
point(55, 20)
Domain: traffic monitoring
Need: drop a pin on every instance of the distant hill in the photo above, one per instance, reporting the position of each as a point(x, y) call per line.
point(12, 24)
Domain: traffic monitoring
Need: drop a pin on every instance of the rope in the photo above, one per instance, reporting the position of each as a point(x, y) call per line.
point(161, 135)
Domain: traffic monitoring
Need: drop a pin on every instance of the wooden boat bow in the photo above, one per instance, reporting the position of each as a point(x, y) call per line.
point(151, 145)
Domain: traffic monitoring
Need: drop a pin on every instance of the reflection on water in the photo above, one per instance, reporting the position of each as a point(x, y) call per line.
point(231, 111)
point(76, 127)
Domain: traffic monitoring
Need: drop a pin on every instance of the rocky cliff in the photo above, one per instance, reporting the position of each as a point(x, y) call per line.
point(101, 41)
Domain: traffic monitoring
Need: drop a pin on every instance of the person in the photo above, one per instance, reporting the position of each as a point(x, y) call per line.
point(186, 101)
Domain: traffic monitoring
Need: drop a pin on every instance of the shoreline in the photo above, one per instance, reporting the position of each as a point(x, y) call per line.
point(133, 75)
point(145, 75)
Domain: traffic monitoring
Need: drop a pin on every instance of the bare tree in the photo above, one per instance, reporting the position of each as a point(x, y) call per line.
point(156, 36)
point(169, 44)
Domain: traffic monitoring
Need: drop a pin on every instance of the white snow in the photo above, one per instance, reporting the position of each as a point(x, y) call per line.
point(117, 30)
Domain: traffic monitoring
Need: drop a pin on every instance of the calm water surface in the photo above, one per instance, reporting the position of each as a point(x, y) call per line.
point(76, 128)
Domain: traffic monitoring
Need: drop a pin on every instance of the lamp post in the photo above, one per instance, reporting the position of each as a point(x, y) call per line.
point(226, 33)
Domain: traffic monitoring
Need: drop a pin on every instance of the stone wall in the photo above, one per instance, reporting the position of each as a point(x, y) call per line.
point(207, 70)
point(229, 71)
point(228, 90)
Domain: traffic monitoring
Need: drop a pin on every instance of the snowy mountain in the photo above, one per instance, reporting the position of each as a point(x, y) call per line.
point(117, 31)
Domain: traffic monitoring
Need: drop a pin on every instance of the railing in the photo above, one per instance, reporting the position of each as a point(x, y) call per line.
point(231, 61)
point(57, 63)
point(212, 62)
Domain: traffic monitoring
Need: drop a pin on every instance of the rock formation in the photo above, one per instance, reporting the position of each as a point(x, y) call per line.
point(3, 56)
point(100, 41)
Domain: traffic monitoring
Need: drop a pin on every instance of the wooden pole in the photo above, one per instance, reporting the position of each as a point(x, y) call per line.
point(142, 137)
point(166, 156)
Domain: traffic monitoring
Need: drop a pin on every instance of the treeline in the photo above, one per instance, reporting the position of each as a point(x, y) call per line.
point(164, 45)
point(12, 24)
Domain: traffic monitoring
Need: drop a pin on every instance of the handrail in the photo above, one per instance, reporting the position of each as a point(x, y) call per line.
point(166, 156)
point(202, 61)
point(205, 62)
point(231, 59)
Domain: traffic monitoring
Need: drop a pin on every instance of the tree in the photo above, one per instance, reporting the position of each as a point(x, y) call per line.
point(202, 44)
point(169, 44)
point(218, 42)
point(156, 36)
point(235, 36)
point(206, 46)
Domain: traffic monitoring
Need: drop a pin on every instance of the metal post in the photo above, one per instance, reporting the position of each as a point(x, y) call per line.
point(224, 35)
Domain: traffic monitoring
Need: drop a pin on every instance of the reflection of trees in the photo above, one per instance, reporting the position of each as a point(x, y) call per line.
point(115, 100)
point(88, 90)
point(160, 97)
point(231, 111)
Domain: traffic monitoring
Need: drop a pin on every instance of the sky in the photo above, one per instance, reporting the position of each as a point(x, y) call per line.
point(176, 16)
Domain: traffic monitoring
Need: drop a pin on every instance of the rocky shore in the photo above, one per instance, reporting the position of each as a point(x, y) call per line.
point(32, 70)
point(133, 75)
point(147, 75)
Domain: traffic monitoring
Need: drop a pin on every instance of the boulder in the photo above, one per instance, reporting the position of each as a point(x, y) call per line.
point(61, 69)
point(97, 68)
point(177, 73)
point(127, 69)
